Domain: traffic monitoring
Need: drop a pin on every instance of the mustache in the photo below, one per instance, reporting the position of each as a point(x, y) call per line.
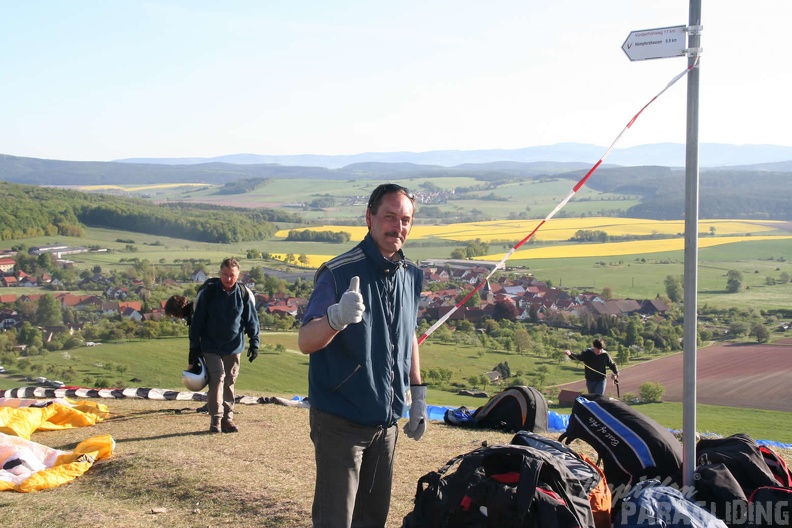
point(395, 234)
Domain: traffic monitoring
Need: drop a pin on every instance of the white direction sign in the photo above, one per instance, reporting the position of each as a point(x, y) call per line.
point(658, 43)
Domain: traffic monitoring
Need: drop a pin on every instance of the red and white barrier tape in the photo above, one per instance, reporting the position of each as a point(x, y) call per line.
point(560, 206)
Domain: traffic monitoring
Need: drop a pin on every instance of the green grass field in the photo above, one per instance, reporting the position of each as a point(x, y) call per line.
point(158, 363)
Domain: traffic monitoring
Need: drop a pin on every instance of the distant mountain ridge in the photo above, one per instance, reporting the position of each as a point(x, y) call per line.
point(743, 190)
point(565, 160)
point(662, 154)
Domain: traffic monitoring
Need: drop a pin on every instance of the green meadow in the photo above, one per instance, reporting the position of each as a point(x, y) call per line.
point(158, 363)
point(642, 276)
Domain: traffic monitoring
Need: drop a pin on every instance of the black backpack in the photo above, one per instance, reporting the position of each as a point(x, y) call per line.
point(632, 446)
point(503, 486)
point(517, 408)
point(587, 476)
point(769, 506)
point(728, 471)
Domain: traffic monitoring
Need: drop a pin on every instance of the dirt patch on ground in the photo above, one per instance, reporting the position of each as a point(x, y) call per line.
point(755, 376)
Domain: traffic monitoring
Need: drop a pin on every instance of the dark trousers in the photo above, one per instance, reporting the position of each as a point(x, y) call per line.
point(354, 465)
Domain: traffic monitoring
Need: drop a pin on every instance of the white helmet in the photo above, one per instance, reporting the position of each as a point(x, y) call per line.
point(197, 378)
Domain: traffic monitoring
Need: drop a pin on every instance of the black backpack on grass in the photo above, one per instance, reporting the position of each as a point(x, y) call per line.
point(632, 446)
point(728, 471)
point(503, 486)
point(517, 408)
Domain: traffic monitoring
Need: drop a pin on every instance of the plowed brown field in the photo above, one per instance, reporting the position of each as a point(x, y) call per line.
point(755, 376)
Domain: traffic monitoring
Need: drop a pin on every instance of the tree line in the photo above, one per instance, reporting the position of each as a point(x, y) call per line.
point(28, 211)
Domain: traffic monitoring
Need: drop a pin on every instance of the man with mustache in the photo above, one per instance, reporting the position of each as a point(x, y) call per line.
point(359, 329)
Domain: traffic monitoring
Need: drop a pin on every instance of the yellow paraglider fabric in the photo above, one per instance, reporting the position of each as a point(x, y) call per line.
point(28, 466)
point(20, 420)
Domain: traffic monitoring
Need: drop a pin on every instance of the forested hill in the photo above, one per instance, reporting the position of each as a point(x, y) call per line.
point(35, 171)
point(722, 193)
point(759, 192)
point(28, 211)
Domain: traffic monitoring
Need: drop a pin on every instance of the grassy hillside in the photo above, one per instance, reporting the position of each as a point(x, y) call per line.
point(158, 363)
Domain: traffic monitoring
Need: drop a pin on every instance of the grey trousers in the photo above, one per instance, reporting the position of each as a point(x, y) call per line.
point(354, 472)
point(223, 372)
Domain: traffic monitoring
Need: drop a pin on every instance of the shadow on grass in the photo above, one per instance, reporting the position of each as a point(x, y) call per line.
point(172, 435)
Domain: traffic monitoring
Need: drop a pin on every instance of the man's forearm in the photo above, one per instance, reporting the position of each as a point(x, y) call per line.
point(415, 364)
point(315, 335)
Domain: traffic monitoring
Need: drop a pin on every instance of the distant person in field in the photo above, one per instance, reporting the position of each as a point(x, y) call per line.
point(223, 313)
point(359, 329)
point(596, 360)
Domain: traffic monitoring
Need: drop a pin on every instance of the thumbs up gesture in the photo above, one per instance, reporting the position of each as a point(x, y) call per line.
point(349, 309)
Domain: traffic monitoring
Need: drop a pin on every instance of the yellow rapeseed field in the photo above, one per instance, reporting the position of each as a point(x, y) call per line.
point(614, 249)
point(314, 261)
point(557, 229)
point(562, 229)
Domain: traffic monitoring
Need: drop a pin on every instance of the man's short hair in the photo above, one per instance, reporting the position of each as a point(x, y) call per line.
point(230, 263)
point(387, 188)
point(599, 344)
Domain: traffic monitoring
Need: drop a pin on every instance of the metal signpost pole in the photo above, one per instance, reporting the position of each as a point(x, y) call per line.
point(661, 43)
point(691, 248)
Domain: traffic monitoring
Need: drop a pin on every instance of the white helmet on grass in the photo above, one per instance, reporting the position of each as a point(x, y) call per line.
point(197, 378)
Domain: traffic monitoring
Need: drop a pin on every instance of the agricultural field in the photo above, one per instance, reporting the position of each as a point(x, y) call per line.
point(508, 233)
point(534, 198)
point(138, 189)
point(749, 375)
point(762, 251)
point(563, 229)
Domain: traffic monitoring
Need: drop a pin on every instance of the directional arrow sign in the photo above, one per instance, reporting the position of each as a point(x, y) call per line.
point(659, 43)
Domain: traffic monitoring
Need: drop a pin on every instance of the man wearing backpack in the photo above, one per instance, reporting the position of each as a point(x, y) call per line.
point(596, 360)
point(359, 329)
point(223, 314)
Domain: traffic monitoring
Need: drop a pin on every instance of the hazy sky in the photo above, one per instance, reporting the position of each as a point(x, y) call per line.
point(111, 79)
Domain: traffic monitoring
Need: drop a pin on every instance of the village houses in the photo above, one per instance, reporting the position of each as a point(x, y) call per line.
point(528, 298)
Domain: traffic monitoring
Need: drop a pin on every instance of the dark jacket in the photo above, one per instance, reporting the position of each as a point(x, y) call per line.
point(364, 373)
point(187, 313)
point(596, 364)
point(220, 320)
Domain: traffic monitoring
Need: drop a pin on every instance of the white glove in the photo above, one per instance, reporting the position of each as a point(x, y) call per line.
point(349, 309)
point(416, 427)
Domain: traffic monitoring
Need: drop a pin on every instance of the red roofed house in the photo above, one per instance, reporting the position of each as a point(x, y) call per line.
point(7, 265)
